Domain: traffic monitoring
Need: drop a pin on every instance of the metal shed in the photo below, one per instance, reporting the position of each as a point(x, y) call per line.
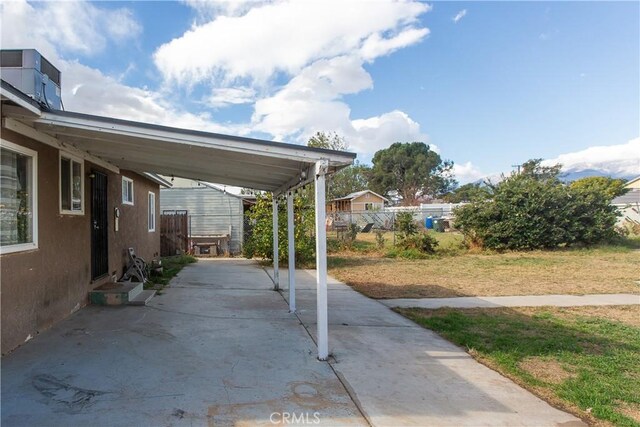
point(212, 211)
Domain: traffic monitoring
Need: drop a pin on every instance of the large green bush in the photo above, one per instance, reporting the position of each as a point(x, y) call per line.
point(259, 242)
point(537, 211)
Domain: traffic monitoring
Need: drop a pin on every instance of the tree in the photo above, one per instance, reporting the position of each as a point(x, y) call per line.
point(468, 193)
point(610, 187)
point(411, 169)
point(329, 141)
point(535, 210)
point(259, 242)
point(348, 180)
point(533, 168)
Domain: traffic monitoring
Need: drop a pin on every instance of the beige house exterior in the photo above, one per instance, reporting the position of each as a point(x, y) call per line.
point(361, 201)
point(634, 184)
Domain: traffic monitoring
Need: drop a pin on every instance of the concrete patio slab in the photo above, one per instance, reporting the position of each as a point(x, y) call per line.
point(516, 301)
point(217, 355)
point(219, 348)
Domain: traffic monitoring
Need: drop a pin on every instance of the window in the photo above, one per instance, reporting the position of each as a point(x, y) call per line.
point(152, 211)
point(18, 198)
point(368, 206)
point(71, 184)
point(127, 191)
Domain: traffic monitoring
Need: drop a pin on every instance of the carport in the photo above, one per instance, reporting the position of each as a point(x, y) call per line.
point(262, 165)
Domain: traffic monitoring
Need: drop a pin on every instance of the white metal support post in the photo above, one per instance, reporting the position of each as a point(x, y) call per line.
point(321, 260)
point(291, 253)
point(276, 255)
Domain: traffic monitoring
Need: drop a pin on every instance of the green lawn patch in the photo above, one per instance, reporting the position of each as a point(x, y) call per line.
point(171, 266)
point(585, 360)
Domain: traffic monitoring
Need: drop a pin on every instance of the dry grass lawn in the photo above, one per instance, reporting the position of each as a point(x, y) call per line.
point(588, 271)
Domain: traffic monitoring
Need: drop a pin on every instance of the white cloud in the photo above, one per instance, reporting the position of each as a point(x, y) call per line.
point(209, 9)
point(376, 45)
point(459, 15)
point(86, 89)
point(310, 99)
point(616, 160)
point(621, 160)
point(378, 132)
point(74, 26)
point(224, 96)
point(467, 172)
point(311, 102)
point(325, 69)
point(285, 37)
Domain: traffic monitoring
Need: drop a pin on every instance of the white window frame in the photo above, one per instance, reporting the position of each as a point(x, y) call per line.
point(21, 247)
point(73, 158)
point(151, 211)
point(127, 202)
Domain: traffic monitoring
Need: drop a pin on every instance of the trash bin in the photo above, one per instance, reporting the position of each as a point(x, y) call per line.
point(428, 223)
point(438, 225)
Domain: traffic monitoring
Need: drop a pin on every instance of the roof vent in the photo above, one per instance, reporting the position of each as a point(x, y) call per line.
point(33, 75)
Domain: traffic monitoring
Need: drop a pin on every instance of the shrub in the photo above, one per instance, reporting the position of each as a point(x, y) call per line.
point(405, 224)
point(423, 242)
point(380, 239)
point(530, 211)
point(259, 242)
point(349, 236)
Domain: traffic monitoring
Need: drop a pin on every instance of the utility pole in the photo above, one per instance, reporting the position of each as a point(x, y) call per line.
point(517, 166)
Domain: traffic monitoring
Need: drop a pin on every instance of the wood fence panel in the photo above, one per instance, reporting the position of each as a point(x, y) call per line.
point(174, 233)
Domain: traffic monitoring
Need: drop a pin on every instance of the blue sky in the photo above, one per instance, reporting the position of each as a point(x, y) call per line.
point(505, 82)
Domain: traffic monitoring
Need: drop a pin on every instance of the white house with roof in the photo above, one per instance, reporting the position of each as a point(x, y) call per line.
point(629, 203)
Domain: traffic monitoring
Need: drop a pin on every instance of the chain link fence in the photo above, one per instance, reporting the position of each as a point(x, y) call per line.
point(385, 220)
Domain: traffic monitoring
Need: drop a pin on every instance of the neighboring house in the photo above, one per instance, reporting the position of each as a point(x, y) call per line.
point(213, 212)
point(633, 184)
point(629, 204)
point(59, 240)
point(360, 201)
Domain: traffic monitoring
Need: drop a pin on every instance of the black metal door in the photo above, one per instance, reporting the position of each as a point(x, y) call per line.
point(99, 226)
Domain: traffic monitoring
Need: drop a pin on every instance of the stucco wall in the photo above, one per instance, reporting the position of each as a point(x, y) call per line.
point(133, 231)
point(43, 286)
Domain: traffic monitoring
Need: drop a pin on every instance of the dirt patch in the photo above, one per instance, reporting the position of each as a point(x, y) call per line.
point(549, 371)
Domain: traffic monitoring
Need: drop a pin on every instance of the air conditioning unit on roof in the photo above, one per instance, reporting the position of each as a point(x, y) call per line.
point(33, 75)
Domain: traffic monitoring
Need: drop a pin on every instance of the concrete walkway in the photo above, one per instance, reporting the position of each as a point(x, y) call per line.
point(516, 301)
point(401, 374)
point(220, 348)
